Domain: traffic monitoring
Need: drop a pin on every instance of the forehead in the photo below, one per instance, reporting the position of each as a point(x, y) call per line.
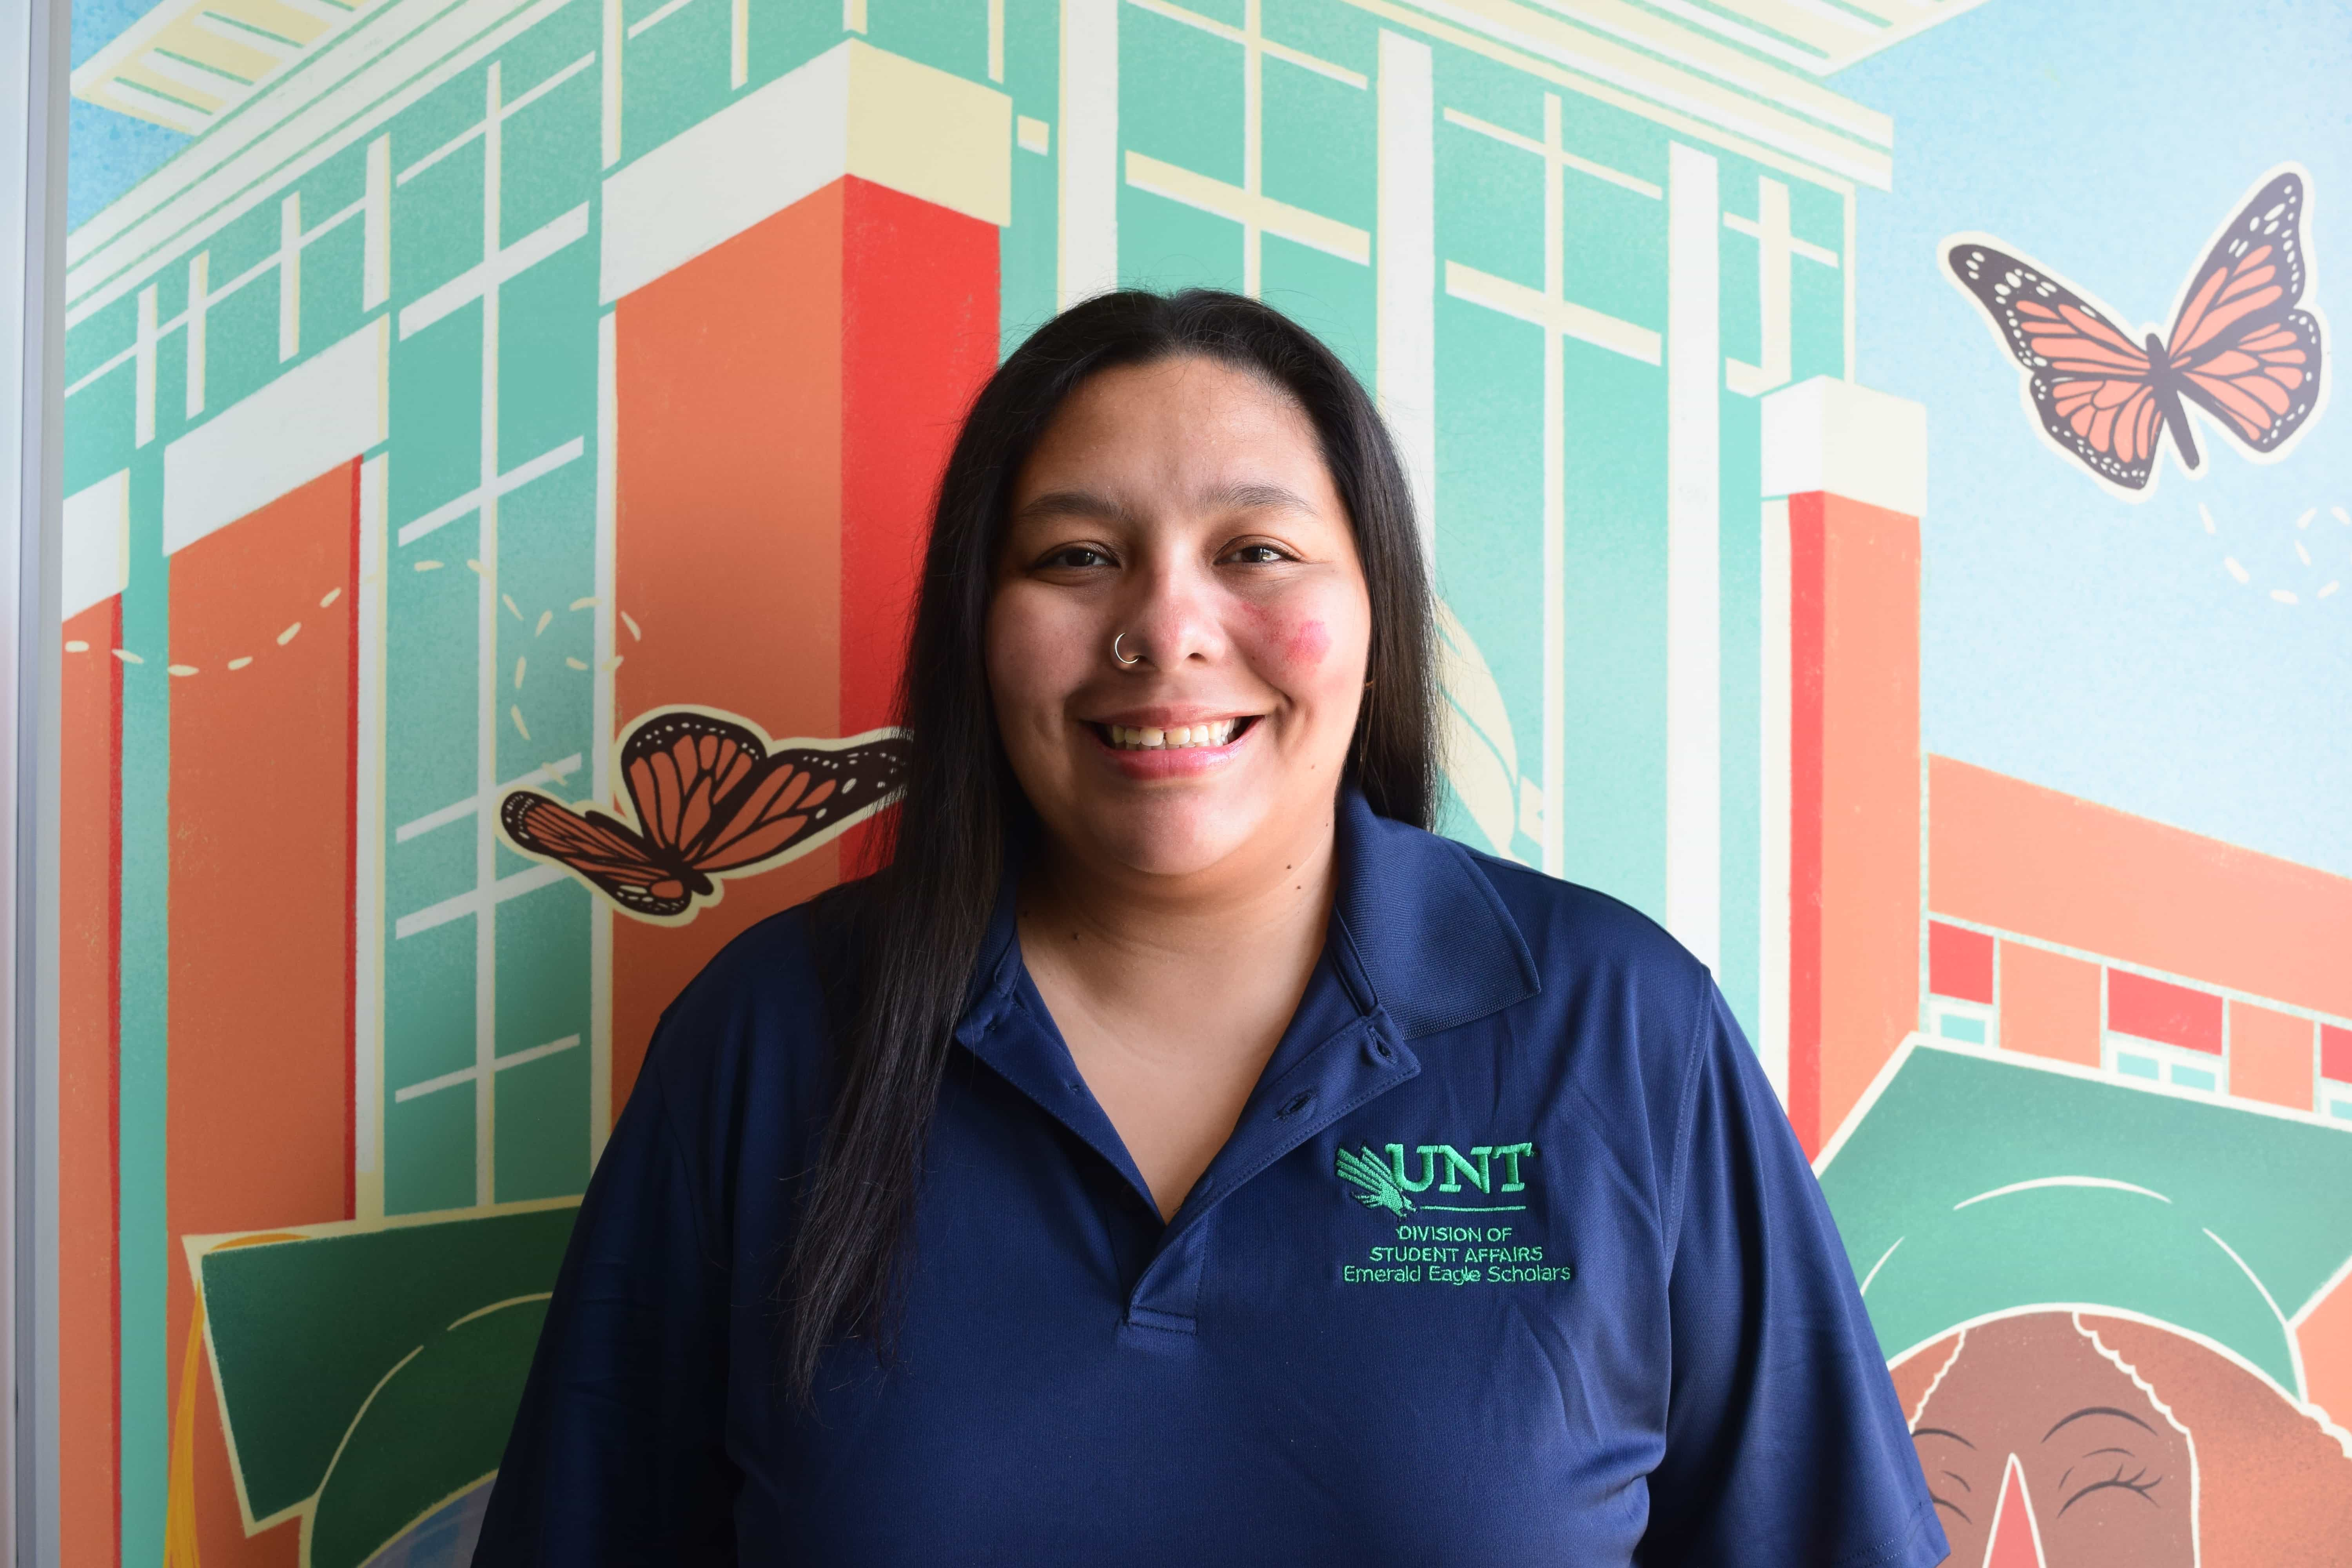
point(1178, 428)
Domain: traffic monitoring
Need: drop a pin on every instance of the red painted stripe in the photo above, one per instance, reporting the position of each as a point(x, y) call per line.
point(351, 867)
point(919, 320)
point(2158, 1010)
point(89, 1164)
point(2336, 1053)
point(1808, 652)
point(1960, 962)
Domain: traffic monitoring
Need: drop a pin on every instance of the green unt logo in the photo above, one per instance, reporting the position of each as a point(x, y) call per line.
point(1384, 1184)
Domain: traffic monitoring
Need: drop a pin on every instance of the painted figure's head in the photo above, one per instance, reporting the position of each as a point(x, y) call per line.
point(2066, 1439)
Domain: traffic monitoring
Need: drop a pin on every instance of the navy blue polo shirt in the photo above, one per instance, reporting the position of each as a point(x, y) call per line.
point(1512, 1258)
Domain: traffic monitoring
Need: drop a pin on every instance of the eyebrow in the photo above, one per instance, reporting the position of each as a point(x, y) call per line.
point(1075, 503)
point(2098, 1410)
point(1942, 1432)
point(1254, 496)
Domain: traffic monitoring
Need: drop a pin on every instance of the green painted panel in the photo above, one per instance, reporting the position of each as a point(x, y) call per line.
point(435, 1429)
point(542, 955)
point(303, 1331)
point(148, 1253)
point(542, 1127)
point(428, 985)
point(1614, 788)
point(430, 689)
point(1180, 98)
point(428, 1152)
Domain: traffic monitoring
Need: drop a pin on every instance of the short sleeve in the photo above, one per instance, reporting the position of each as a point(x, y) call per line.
point(1785, 1443)
point(618, 1452)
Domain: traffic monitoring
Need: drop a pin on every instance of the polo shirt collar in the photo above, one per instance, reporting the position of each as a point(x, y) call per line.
point(1419, 929)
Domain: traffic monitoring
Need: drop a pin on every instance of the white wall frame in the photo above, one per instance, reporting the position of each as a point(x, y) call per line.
point(33, 59)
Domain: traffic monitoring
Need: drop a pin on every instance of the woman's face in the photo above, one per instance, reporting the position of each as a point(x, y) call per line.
point(1183, 506)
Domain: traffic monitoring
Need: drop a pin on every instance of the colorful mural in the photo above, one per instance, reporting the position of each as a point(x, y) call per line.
point(499, 434)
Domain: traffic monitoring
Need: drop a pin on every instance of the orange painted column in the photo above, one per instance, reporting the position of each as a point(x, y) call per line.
point(89, 972)
point(1850, 465)
point(786, 402)
point(263, 801)
point(2049, 1004)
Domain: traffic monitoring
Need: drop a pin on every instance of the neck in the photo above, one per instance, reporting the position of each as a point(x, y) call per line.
point(1271, 900)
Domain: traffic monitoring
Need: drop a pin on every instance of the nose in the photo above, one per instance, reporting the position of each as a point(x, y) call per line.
point(1172, 615)
point(2016, 1536)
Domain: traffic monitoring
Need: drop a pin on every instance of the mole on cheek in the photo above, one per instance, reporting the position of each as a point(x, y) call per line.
point(1309, 642)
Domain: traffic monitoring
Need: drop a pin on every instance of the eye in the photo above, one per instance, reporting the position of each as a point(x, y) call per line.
point(1073, 557)
point(1257, 554)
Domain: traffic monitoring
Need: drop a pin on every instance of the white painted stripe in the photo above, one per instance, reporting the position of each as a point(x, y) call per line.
point(457, 811)
point(1774, 801)
point(188, 73)
point(485, 653)
point(512, 260)
point(388, 59)
point(1617, 177)
point(601, 724)
point(95, 564)
point(1832, 435)
point(853, 110)
point(471, 902)
point(468, 1075)
point(1327, 235)
point(2039, 1182)
point(1087, 254)
point(513, 480)
point(1694, 525)
point(1406, 279)
point(1660, 83)
point(327, 410)
point(367, 827)
point(2293, 1341)
point(108, 367)
point(171, 111)
point(1555, 499)
point(1566, 316)
point(659, 15)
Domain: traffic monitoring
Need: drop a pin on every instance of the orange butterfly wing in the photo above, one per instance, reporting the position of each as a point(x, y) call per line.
point(709, 790)
point(2093, 389)
point(2240, 349)
point(631, 871)
point(803, 791)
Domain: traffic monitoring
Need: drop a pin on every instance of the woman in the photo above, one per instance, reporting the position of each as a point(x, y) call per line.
point(1213, 1166)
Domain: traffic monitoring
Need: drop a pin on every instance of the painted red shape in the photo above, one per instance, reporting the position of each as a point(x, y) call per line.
point(1854, 786)
point(1960, 962)
point(90, 968)
point(2015, 1542)
point(2158, 1010)
point(2336, 1053)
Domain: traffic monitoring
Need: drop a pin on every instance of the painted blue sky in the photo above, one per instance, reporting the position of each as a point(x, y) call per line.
point(2085, 642)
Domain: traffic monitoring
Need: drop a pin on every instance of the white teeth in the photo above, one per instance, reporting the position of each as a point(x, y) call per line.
point(1175, 737)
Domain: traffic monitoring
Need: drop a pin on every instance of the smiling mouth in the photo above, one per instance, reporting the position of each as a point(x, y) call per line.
point(1175, 738)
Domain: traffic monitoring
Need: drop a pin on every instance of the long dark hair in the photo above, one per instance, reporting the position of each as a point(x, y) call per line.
point(904, 941)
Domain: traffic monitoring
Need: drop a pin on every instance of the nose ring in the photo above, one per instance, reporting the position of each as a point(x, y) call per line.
point(1120, 656)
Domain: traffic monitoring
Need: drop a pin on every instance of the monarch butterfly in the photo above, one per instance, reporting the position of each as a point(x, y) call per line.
point(713, 798)
point(2240, 348)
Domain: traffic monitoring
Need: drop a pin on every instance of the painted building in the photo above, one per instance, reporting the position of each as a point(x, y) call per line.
point(483, 375)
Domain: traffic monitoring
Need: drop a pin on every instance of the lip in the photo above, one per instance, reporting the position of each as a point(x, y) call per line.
point(1185, 762)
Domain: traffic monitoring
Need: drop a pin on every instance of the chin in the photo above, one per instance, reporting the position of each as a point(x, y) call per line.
point(1173, 838)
